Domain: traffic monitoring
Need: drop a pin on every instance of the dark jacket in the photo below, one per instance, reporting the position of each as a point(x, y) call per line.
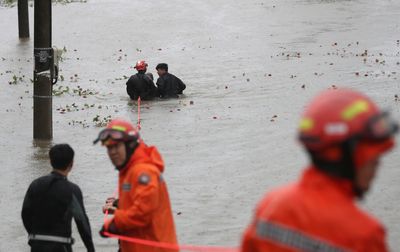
point(170, 86)
point(141, 85)
point(49, 206)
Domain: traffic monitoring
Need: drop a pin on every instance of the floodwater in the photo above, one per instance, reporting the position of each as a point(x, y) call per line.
point(250, 67)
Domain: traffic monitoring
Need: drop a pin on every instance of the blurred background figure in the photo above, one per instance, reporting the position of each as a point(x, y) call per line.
point(345, 135)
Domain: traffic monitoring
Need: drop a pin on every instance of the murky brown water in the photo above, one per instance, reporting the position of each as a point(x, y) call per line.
point(244, 63)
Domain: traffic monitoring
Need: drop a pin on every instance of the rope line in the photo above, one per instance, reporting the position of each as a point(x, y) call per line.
point(165, 245)
point(138, 120)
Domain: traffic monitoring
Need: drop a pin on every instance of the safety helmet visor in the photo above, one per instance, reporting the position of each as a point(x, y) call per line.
point(380, 127)
point(112, 134)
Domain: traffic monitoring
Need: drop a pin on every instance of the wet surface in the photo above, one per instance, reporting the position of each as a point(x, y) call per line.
point(249, 66)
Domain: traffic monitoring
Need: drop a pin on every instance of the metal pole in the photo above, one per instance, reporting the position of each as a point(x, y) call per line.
point(42, 87)
point(23, 19)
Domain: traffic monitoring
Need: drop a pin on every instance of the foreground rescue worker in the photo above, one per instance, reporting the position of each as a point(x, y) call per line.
point(168, 85)
point(49, 205)
point(141, 84)
point(345, 135)
point(143, 209)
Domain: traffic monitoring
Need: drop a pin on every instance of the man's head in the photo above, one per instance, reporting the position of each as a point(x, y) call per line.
point(345, 134)
point(162, 69)
point(121, 140)
point(61, 157)
point(141, 66)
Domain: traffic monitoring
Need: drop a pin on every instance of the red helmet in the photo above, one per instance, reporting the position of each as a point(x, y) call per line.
point(118, 130)
point(141, 65)
point(339, 115)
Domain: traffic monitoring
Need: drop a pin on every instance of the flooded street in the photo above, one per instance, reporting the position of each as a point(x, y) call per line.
point(249, 66)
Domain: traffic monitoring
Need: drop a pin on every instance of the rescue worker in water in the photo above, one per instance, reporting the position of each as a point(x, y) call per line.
point(141, 84)
point(345, 135)
point(143, 209)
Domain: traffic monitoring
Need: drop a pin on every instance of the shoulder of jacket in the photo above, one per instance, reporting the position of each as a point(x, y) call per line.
point(42, 180)
point(369, 222)
point(137, 169)
point(367, 231)
point(143, 173)
point(74, 186)
point(280, 197)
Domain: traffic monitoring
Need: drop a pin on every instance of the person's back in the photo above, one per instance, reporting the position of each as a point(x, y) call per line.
point(168, 85)
point(345, 134)
point(140, 85)
point(49, 206)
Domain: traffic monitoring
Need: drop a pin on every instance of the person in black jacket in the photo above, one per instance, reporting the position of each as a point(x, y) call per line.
point(50, 204)
point(141, 84)
point(168, 85)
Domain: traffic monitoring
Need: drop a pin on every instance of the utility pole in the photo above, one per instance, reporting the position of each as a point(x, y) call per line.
point(42, 86)
point(23, 19)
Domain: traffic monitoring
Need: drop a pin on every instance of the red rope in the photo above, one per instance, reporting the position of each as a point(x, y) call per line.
point(138, 120)
point(165, 245)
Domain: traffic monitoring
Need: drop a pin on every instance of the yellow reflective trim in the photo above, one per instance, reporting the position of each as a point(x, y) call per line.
point(119, 128)
point(355, 109)
point(306, 124)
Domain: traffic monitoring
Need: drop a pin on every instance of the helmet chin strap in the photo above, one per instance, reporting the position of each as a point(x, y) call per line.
point(130, 148)
point(342, 168)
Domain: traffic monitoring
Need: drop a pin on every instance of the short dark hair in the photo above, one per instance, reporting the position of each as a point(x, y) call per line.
point(163, 66)
point(61, 156)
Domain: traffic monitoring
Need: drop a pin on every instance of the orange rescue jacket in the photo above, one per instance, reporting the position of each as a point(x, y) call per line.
point(144, 209)
point(316, 214)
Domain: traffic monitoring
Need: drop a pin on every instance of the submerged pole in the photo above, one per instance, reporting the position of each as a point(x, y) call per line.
point(23, 19)
point(42, 86)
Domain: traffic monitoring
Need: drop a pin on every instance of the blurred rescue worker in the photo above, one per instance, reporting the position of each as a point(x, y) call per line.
point(168, 85)
point(50, 204)
point(141, 84)
point(345, 135)
point(143, 209)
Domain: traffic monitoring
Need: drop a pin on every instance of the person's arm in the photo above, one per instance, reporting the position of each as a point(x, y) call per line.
point(161, 86)
point(150, 88)
point(27, 208)
point(181, 86)
point(145, 200)
point(81, 219)
point(130, 88)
